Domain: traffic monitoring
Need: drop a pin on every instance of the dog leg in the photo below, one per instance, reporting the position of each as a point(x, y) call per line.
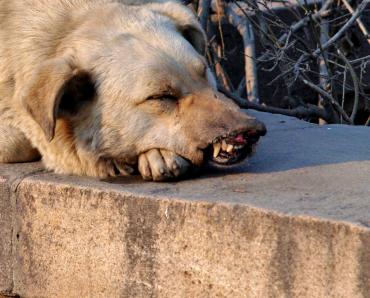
point(160, 165)
point(15, 147)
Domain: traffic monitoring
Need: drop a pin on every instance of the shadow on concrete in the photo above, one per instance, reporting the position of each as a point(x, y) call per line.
point(283, 150)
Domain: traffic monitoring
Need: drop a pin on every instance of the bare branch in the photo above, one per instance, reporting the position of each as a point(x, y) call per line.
point(246, 31)
point(323, 12)
point(356, 84)
point(323, 63)
point(203, 12)
point(342, 30)
point(301, 112)
point(359, 22)
point(367, 122)
point(297, 55)
point(327, 96)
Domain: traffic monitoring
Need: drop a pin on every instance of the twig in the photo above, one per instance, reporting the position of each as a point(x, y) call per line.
point(331, 40)
point(360, 59)
point(270, 36)
point(359, 22)
point(323, 61)
point(301, 112)
point(220, 72)
point(355, 82)
point(343, 29)
point(280, 76)
point(215, 56)
point(330, 98)
point(344, 89)
point(220, 10)
point(367, 122)
point(203, 12)
point(245, 29)
point(241, 87)
point(295, 55)
point(323, 12)
point(261, 21)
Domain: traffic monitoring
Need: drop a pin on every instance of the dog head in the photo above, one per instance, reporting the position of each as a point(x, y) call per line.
point(128, 79)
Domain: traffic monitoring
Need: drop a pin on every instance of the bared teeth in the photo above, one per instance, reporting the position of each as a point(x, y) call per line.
point(216, 149)
point(229, 148)
point(224, 145)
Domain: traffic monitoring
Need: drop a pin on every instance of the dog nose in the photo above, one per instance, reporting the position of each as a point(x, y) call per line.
point(256, 130)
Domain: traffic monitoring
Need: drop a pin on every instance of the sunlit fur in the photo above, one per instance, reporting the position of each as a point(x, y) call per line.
point(131, 52)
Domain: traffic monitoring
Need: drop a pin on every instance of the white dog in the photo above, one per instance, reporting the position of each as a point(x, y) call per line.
point(97, 87)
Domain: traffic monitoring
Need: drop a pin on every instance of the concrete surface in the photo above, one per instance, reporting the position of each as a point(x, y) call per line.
point(294, 221)
point(10, 176)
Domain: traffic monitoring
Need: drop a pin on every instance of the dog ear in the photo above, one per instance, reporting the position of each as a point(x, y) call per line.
point(57, 89)
point(186, 23)
point(196, 36)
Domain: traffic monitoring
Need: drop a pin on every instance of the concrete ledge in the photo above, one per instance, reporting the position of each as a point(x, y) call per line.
point(5, 236)
point(293, 222)
point(10, 176)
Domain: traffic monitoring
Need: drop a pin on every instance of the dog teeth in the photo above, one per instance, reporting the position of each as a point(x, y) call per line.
point(216, 149)
point(224, 145)
point(229, 148)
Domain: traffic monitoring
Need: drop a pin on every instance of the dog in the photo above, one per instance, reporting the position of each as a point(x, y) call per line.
point(103, 87)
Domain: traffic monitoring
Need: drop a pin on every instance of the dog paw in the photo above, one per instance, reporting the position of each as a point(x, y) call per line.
point(161, 165)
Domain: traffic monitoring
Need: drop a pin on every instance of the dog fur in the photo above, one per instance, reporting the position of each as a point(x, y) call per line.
point(99, 85)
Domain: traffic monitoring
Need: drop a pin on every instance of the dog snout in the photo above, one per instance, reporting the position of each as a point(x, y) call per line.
point(252, 126)
point(256, 128)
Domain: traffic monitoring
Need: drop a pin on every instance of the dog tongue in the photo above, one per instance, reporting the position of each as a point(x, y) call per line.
point(239, 138)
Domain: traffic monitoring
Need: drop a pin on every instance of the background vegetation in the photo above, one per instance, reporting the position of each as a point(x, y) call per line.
point(303, 58)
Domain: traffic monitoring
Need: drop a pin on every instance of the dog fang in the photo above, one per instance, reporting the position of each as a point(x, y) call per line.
point(229, 148)
point(216, 149)
point(224, 145)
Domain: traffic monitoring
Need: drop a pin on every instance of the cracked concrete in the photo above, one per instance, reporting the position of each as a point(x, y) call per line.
point(292, 222)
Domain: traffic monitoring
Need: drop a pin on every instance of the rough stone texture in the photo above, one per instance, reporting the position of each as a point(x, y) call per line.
point(292, 222)
point(5, 236)
point(10, 175)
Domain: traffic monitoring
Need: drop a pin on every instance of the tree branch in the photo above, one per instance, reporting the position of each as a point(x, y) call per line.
point(246, 31)
point(327, 96)
point(301, 112)
point(344, 28)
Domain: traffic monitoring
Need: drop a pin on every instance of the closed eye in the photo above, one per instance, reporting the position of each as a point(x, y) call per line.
point(163, 96)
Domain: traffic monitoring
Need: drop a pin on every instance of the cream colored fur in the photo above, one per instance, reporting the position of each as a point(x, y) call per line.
point(131, 52)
